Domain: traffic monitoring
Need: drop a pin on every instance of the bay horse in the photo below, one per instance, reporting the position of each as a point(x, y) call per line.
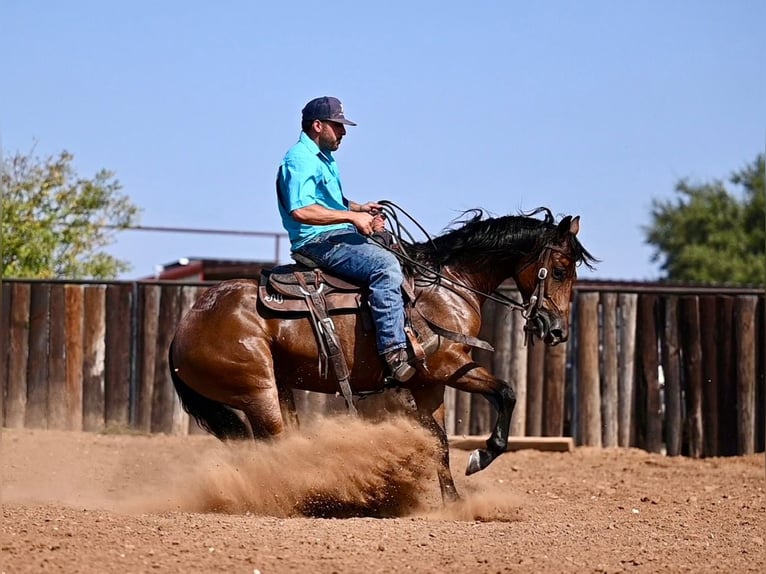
point(230, 353)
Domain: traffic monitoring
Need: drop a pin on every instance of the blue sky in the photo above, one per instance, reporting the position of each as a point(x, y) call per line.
point(590, 108)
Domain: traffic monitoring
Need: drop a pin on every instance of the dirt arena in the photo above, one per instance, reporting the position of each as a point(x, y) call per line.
point(348, 496)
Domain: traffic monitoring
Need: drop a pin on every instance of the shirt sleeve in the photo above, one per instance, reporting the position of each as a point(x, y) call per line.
point(299, 184)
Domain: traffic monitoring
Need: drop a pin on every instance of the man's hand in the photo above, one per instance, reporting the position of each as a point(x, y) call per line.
point(363, 221)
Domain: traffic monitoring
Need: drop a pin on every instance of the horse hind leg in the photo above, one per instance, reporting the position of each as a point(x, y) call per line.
point(263, 410)
point(214, 417)
point(429, 402)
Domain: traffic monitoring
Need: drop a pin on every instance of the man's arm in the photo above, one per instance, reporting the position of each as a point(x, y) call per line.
point(316, 214)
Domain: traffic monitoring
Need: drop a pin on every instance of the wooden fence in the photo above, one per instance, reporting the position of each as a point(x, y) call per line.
point(662, 370)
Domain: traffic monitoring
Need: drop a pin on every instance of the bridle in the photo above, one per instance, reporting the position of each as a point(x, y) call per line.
point(529, 309)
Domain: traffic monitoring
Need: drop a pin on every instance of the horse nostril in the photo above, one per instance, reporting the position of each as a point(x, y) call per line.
point(558, 335)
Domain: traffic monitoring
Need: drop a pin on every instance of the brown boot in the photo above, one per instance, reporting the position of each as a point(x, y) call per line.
point(397, 362)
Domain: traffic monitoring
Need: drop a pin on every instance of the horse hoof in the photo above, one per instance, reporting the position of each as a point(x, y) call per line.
point(474, 463)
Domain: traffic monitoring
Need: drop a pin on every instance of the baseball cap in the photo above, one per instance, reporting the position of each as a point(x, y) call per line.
point(325, 108)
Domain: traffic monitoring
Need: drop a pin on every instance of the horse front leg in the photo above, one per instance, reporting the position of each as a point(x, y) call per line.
point(429, 402)
point(473, 378)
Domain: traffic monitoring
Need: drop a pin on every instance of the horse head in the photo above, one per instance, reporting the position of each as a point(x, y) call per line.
point(545, 280)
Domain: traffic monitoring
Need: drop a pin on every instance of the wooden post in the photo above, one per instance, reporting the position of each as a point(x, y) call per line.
point(502, 339)
point(554, 387)
point(588, 395)
point(482, 414)
point(744, 318)
point(163, 392)
point(449, 410)
point(692, 351)
point(535, 387)
point(57, 375)
point(94, 351)
point(462, 413)
point(609, 389)
point(519, 373)
point(709, 340)
point(119, 303)
point(75, 312)
point(18, 355)
point(648, 344)
point(671, 368)
point(149, 305)
point(5, 329)
point(36, 415)
point(627, 303)
point(727, 379)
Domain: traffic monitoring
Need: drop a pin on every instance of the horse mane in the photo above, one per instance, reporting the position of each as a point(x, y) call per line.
point(475, 240)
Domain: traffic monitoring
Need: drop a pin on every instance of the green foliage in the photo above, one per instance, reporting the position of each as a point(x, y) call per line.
point(55, 224)
point(711, 235)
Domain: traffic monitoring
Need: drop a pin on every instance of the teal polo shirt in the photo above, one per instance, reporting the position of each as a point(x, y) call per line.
point(308, 175)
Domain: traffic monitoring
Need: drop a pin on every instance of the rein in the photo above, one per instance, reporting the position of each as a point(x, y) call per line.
point(528, 310)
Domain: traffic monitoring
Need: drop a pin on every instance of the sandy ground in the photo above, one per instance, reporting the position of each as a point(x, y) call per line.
point(348, 496)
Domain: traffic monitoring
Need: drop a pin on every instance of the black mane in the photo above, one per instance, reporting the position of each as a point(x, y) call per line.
point(476, 241)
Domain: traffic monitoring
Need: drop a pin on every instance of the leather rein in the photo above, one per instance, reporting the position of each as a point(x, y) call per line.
point(528, 309)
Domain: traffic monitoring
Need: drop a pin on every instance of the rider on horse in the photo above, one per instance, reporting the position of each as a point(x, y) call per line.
point(334, 232)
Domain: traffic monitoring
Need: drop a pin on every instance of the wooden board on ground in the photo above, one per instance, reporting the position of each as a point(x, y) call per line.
point(546, 443)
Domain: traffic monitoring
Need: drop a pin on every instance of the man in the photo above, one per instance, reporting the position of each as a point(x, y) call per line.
point(334, 232)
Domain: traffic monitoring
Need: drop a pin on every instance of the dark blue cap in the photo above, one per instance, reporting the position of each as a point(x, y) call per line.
point(325, 108)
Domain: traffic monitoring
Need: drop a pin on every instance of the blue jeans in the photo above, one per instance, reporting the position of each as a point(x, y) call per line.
point(352, 256)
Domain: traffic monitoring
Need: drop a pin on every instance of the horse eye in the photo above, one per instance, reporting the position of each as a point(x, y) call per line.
point(559, 273)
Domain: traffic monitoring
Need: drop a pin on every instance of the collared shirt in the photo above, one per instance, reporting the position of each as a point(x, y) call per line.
point(308, 175)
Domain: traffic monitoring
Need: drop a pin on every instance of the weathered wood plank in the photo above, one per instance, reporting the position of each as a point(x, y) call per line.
point(692, 365)
point(36, 415)
point(555, 386)
point(519, 373)
point(535, 387)
point(727, 379)
point(648, 338)
point(148, 323)
point(94, 352)
point(163, 393)
point(57, 376)
point(627, 303)
point(5, 329)
point(18, 356)
point(609, 388)
point(117, 368)
point(744, 318)
point(588, 392)
point(501, 337)
point(75, 314)
point(481, 411)
point(709, 341)
point(671, 368)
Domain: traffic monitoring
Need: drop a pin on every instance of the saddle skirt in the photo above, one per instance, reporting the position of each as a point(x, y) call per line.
point(281, 289)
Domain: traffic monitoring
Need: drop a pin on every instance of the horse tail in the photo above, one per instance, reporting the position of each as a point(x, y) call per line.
point(212, 416)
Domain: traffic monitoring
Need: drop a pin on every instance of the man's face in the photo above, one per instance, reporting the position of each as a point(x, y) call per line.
point(330, 135)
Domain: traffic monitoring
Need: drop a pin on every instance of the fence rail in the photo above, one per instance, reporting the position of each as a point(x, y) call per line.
point(674, 372)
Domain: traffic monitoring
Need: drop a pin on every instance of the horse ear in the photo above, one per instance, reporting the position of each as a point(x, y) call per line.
point(574, 226)
point(568, 225)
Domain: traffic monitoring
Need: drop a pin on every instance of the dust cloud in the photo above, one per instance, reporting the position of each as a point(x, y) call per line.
point(336, 467)
point(333, 467)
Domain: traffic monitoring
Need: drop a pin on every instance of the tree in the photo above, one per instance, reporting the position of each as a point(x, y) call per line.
point(55, 224)
point(711, 235)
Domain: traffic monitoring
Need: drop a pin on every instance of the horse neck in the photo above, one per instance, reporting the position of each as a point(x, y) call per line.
point(482, 282)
